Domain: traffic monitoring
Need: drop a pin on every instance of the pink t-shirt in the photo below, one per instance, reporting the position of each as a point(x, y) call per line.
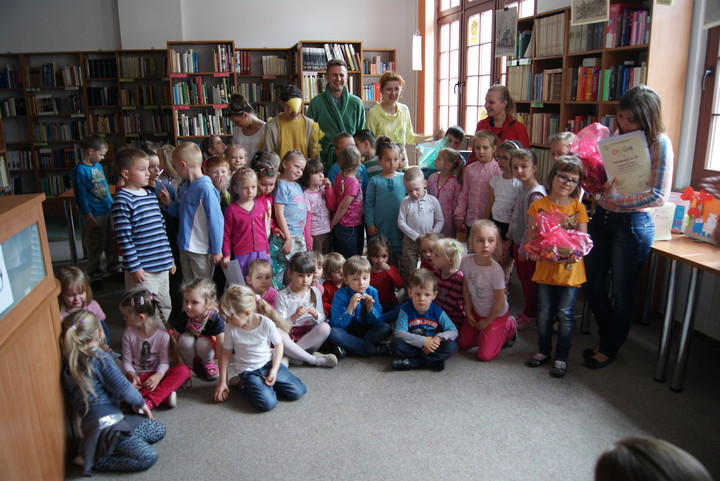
point(447, 195)
point(93, 307)
point(475, 191)
point(320, 220)
point(482, 282)
point(354, 215)
point(145, 355)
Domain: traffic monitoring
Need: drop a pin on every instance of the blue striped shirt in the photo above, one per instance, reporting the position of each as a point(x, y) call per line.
point(140, 232)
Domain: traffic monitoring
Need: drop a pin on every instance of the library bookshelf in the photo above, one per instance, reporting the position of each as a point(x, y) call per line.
point(375, 62)
point(261, 74)
point(310, 61)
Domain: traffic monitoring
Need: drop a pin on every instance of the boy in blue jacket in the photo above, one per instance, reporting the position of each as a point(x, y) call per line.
point(356, 317)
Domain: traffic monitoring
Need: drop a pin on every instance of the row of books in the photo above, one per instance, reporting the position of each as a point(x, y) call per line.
point(595, 84)
point(145, 95)
point(10, 78)
point(274, 65)
point(53, 185)
point(519, 82)
point(375, 66)
point(99, 96)
point(223, 58)
point(627, 25)
point(579, 122)
point(203, 124)
point(266, 112)
point(48, 76)
point(316, 58)
point(544, 163)
point(136, 123)
point(544, 126)
point(20, 159)
point(100, 68)
point(260, 92)
point(523, 44)
point(52, 105)
point(372, 92)
point(590, 36)
point(141, 67)
point(12, 107)
point(549, 35)
point(107, 124)
point(60, 131)
point(185, 62)
point(195, 92)
point(59, 158)
point(547, 86)
point(314, 84)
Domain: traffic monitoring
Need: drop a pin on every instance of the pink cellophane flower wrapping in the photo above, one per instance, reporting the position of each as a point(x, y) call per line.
point(552, 242)
point(585, 146)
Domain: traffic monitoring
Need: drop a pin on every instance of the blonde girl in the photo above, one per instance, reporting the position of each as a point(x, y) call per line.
point(146, 359)
point(427, 244)
point(237, 157)
point(501, 117)
point(199, 327)
point(446, 257)
point(558, 283)
point(560, 144)
point(301, 303)
point(95, 386)
point(473, 198)
point(245, 237)
point(487, 323)
point(167, 170)
point(76, 294)
point(291, 214)
point(256, 366)
point(446, 185)
point(259, 278)
point(385, 192)
point(347, 223)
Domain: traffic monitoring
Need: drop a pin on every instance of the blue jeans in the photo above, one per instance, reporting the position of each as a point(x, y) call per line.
point(264, 397)
point(417, 358)
point(556, 302)
point(359, 340)
point(621, 244)
point(348, 241)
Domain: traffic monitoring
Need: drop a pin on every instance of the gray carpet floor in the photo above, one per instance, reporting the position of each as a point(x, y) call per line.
point(482, 421)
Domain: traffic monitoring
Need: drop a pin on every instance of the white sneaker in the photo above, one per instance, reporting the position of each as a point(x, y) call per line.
point(326, 360)
point(171, 400)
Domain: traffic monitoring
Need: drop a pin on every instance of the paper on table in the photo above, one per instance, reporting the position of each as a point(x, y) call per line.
point(627, 160)
point(233, 273)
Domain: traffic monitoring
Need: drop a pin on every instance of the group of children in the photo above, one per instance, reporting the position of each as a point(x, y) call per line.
point(299, 238)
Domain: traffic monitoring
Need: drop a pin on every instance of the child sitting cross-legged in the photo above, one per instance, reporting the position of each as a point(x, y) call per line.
point(424, 334)
point(356, 319)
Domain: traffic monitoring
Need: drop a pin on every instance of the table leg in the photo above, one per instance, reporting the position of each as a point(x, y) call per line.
point(649, 289)
point(663, 354)
point(678, 377)
point(67, 203)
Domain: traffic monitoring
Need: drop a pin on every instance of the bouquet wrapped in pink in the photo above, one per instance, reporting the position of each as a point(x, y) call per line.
point(552, 242)
point(585, 146)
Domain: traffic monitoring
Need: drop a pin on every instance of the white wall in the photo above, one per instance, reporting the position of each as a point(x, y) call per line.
point(149, 24)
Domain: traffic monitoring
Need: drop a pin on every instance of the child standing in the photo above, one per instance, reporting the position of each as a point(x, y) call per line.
point(365, 143)
point(197, 324)
point(76, 295)
point(218, 169)
point(291, 214)
point(140, 229)
point(95, 386)
point(419, 214)
point(259, 279)
point(347, 223)
point(333, 269)
point(256, 367)
point(245, 236)
point(504, 190)
point(267, 179)
point(301, 303)
point(146, 350)
point(384, 277)
point(320, 198)
point(446, 185)
point(560, 144)
point(384, 194)
point(198, 210)
point(424, 334)
point(236, 156)
point(487, 324)
point(92, 196)
point(524, 165)
point(447, 255)
point(356, 319)
point(167, 170)
point(213, 145)
point(341, 141)
point(558, 283)
point(474, 195)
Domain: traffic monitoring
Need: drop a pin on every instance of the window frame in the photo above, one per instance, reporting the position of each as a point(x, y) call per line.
point(712, 61)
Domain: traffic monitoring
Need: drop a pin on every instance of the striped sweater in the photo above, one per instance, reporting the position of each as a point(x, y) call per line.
point(140, 232)
point(450, 296)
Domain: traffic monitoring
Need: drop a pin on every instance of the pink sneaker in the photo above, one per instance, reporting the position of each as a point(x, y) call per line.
point(524, 322)
point(211, 371)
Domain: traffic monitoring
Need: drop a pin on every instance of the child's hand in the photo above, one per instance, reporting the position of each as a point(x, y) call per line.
point(326, 183)
point(271, 377)
point(134, 379)
point(173, 269)
point(301, 311)
point(372, 230)
point(224, 261)
point(164, 196)
point(287, 246)
point(460, 225)
point(221, 392)
point(313, 312)
point(470, 319)
point(151, 383)
point(384, 266)
point(276, 231)
point(354, 300)
point(369, 302)
point(138, 277)
point(146, 411)
point(216, 258)
point(430, 344)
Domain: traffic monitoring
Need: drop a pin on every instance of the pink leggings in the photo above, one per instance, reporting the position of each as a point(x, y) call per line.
point(490, 340)
point(174, 377)
point(525, 270)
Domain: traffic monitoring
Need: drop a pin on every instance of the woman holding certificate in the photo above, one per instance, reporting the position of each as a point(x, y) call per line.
point(622, 229)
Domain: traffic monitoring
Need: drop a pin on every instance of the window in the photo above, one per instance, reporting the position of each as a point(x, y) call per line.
point(707, 147)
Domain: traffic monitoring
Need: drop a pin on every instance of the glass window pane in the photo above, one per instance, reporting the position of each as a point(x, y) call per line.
point(484, 87)
point(527, 8)
point(486, 26)
point(454, 63)
point(473, 66)
point(473, 33)
point(452, 92)
point(443, 118)
point(471, 119)
point(452, 115)
point(472, 91)
point(444, 5)
point(444, 65)
point(455, 35)
point(485, 59)
point(443, 92)
point(713, 157)
point(445, 38)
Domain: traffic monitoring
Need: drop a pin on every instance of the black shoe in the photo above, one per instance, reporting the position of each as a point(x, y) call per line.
point(558, 370)
point(401, 365)
point(536, 361)
point(383, 350)
point(339, 352)
point(437, 367)
point(593, 363)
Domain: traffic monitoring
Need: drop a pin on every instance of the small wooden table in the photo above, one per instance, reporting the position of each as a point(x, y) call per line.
point(701, 257)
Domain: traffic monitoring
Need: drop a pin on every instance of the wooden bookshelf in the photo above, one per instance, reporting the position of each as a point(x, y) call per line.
point(261, 73)
point(311, 57)
point(375, 63)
